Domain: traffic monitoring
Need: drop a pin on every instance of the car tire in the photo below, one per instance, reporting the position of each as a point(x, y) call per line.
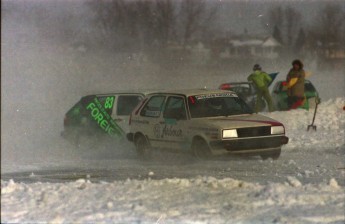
point(200, 149)
point(263, 105)
point(272, 154)
point(143, 147)
point(280, 108)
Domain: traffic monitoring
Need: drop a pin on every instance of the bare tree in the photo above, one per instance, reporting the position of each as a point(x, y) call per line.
point(300, 42)
point(331, 24)
point(276, 17)
point(152, 23)
point(284, 24)
point(140, 20)
point(194, 17)
point(328, 34)
point(277, 34)
point(292, 23)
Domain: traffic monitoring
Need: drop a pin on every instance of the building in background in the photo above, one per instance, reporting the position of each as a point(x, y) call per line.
point(250, 47)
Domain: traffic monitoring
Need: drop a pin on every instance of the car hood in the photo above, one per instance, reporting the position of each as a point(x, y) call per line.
point(241, 121)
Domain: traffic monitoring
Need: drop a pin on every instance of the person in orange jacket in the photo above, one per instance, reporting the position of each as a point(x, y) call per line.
point(295, 85)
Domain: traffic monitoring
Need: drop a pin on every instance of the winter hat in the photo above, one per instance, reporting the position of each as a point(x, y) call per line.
point(297, 62)
point(256, 67)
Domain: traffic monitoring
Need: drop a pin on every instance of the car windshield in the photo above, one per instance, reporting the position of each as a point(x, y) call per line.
point(214, 106)
point(309, 87)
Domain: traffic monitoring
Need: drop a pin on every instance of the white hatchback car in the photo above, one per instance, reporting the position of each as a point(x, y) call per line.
point(204, 122)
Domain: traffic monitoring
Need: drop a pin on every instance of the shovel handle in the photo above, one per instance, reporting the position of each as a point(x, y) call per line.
point(312, 123)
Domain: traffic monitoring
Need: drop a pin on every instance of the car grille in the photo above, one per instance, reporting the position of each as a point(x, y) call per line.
point(250, 144)
point(254, 131)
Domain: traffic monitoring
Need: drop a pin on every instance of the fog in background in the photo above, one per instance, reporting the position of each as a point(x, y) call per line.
point(54, 52)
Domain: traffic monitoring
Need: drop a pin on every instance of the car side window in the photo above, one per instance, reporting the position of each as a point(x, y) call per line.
point(126, 104)
point(278, 87)
point(175, 108)
point(153, 107)
point(309, 87)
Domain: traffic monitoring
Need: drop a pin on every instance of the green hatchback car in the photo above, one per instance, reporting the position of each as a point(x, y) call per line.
point(279, 96)
point(99, 115)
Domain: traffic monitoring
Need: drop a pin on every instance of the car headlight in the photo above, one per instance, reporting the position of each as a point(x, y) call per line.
point(230, 133)
point(276, 130)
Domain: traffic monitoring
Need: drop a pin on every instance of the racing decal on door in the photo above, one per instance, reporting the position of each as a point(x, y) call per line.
point(109, 102)
point(170, 131)
point(103, 119)
point(167, 131)
point(157, 131)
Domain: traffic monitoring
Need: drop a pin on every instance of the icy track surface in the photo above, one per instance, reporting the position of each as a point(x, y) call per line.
point(196, 200)
point(305, 185)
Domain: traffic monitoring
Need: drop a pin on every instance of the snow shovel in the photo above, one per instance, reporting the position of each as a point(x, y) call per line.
point(315, 110)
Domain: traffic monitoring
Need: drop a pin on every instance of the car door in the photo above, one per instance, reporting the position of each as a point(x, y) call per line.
point(173, 125)
point(123, 106)
point(150, 120)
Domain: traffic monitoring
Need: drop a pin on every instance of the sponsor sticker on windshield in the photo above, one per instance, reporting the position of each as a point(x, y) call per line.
point(214, 95)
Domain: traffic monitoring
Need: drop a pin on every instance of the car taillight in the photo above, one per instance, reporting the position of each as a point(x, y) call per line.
point(225, 87)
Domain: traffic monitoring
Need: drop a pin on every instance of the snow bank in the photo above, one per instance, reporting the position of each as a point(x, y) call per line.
point(330, 122)
point(197, 200)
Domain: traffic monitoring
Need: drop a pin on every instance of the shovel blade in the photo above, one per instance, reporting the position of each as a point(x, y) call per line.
point(311, 127)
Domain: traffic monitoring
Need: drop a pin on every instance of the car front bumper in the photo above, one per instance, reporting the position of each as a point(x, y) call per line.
point(253, 145)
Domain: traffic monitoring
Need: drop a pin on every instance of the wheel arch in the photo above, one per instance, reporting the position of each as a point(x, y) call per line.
point(138, 134)
point(203, 151)
point(199, 137)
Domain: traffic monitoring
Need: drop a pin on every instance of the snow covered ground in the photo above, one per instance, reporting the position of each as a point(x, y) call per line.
point(306, 185)
point(330, 122)
point(196, 200)
point(44, 179)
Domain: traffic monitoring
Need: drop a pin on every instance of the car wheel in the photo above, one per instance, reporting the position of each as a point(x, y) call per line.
point(143, 147)
point(280, 108)
point(272, 154)
point(201, 149)
point(263, 105)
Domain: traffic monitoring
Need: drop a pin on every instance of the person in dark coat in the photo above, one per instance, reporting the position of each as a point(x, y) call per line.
point(295, 85)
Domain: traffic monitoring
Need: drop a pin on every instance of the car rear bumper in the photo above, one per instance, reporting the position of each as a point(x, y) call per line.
point(253, 145)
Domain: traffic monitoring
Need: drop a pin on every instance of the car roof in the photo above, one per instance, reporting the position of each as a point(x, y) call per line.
point(193, 92)
point(140, 92)
point(305, 81)
point(237, 83)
